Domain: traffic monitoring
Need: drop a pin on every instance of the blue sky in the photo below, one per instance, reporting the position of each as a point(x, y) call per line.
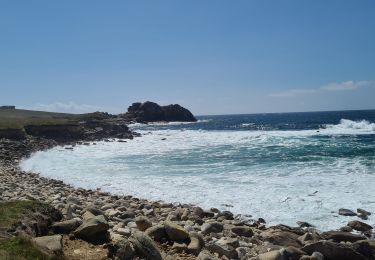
point(212, 56)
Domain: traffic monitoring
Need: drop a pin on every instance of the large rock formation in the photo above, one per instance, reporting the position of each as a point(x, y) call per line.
point(152, 112)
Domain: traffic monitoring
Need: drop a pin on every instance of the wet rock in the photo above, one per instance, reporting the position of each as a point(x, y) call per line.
point(145, 246)
point(244, 231)
point(309, 238)
point(363, 212)
point(346, 212)
point(143, 223)
point(214, 227)
point(303, 224)
point(359, 226)
point(339, 236)
point(175, 232)
point(50, 244)
point(365, 247)
point(281, 237)
point(332, 250)
point(67, 226)
point(225, 215)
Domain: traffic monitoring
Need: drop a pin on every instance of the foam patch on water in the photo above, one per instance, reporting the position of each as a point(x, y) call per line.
point(345, 125)
point(282, 176)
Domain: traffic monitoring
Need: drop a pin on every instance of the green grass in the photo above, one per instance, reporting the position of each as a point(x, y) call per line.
point(11, 212)
point(18, 118)
point(19, 248)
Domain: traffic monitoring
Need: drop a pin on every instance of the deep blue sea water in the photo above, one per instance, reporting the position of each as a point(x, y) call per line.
point(283, 167)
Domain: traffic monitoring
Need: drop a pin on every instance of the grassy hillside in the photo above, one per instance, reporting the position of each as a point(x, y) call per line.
point(18, 118)
point(18, 248)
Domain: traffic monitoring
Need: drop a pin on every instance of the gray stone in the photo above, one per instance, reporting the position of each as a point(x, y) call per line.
point(339, 236)
point(205, 255)
point(222, 248)
point(196, 243)
point(67, 226)
point(157, 232)
point(143, 223)
point(94, 228)
point(244, 231)
point(214, 227)
point(145, 246)
point(359, 226)
point(125, 250)
point(332, 250)
point(50, 244)
point(175, 232)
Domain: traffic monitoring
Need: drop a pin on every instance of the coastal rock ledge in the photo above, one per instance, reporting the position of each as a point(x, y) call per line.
point(151, 112)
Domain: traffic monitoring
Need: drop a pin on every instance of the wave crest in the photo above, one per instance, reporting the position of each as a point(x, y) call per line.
point(346, 124)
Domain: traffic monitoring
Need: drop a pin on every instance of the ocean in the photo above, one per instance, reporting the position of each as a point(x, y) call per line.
point(283, 167)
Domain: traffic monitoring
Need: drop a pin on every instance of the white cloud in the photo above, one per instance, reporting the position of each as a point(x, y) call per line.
point(335, 86)
point(69, 107)
point(293, 92)
point(347, 85)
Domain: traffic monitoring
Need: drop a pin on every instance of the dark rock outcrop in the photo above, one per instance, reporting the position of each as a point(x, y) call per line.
point(12, 134)
point(152, 112)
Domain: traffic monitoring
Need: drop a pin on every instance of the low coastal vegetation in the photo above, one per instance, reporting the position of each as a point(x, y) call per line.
point(18, 248)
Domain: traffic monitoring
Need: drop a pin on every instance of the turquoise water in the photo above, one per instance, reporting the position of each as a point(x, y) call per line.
point(282, 167)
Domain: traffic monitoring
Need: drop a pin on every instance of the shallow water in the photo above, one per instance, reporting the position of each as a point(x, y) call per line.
point(282, 167)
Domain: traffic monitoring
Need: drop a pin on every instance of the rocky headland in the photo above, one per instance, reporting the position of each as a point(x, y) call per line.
point(77, 223)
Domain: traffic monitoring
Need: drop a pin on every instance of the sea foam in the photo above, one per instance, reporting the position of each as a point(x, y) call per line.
point(282, 176)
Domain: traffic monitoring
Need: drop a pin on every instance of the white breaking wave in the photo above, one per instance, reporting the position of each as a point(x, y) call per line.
point(213, 168)
point(356, 126)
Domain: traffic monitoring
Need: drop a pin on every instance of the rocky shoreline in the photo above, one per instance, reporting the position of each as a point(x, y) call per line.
point(104, 226)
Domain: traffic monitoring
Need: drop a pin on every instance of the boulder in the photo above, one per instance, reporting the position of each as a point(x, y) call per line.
point(143, 223)
point(52, 245)
point(93, 229)
point(175, 232)
point(244, 231)
point(196, 243)
point(213, 227)
point(225, 215)
point(205, 255)
point(339, 236)
point(365, 247)
point(67, 226)
point(281, 237)
point(333, 251)
point(359, 226)
point(145, 246)
point(314, 256)
point(157, 232)
point(222, 248)
point(346, 212)
point(125, 250)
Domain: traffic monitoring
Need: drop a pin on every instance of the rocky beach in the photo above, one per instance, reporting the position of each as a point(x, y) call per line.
point(78, 223)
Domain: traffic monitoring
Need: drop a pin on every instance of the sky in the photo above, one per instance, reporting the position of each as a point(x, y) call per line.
point(211, 56)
